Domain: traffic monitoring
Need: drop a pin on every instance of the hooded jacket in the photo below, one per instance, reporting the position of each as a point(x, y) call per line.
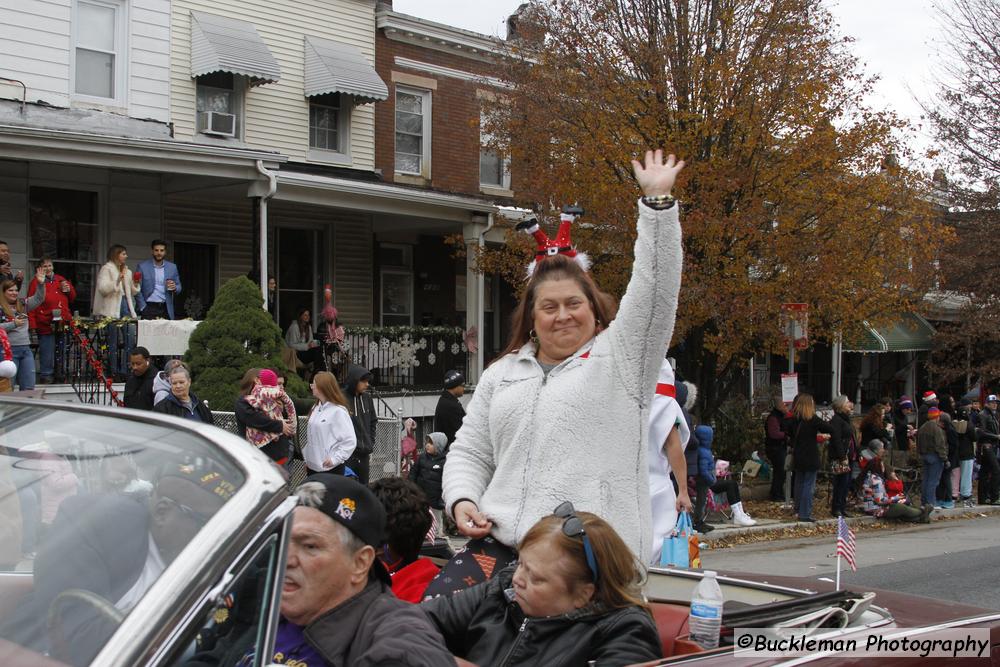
point(139, 393)
point(706, 460)
point(161, 387)
point(578, 433)
point(483, 627)
point(428, 471)
point(361, 405)
point(40, 319)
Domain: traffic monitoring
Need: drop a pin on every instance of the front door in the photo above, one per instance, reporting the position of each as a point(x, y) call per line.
point(299, 273)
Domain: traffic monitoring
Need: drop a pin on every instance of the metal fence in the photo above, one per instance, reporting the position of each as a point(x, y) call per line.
point(386, 451)
point(408, 358)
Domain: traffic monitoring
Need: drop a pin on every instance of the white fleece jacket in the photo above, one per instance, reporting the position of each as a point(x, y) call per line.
point(529, 442)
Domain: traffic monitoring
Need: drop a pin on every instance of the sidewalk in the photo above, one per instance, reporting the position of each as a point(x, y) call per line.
point(774, 528)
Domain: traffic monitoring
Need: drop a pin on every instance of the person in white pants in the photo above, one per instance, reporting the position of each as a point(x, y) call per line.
point(668, 436)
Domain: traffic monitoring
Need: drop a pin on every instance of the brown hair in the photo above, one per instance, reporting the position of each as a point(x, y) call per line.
point(329, 388)
point(873, 419)
point(805, 407)
point(18, 306)
point(557, 267)
point(621, 575)
point(114, 251)
point(248, 380)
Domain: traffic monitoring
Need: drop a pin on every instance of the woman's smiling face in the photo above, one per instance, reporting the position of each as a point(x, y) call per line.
point(563, 319)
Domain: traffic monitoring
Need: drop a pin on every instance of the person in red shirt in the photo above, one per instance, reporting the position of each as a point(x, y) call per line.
point(59, 294)
point(408, 519)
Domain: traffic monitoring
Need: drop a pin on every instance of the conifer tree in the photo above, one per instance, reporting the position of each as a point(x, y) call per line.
point(236, 335)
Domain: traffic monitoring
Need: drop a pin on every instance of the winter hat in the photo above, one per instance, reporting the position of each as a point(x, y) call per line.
point(561, 245)
point(992, 398)
point(933, 413)
point(929, 396)
point(268, 378)
point(439, 439)
point(350, 504)
point(453, 378)
point(905, 403)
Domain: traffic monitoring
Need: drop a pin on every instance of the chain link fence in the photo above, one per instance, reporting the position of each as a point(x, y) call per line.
point(386, 449)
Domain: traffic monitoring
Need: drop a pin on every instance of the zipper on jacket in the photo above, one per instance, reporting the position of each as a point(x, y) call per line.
point(520, 633)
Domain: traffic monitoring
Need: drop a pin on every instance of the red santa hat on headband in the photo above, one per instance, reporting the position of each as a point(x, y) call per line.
point(561, 244)
point(8, 368)
point(929, 396)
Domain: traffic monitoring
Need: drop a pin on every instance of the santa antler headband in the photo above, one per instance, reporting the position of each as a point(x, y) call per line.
point(561, 245)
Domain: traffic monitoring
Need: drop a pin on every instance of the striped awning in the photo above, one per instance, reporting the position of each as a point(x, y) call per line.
point(333, 67)
point(908, 333)
point(222, 44)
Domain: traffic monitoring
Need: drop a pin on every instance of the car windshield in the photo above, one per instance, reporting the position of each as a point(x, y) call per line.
point(93, 509)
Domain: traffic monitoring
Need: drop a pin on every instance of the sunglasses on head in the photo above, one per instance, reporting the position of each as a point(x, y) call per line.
point(573, 527)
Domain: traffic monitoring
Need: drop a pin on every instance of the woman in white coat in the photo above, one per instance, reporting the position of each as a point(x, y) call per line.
point(563, 415)
point(331, 432)
point(114, 298)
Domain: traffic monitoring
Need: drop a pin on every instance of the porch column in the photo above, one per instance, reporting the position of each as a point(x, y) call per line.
point(263, 191)
point(836, 365)
point(472, 233)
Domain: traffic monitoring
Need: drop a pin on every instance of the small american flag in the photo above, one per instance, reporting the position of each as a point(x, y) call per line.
point(845, 542)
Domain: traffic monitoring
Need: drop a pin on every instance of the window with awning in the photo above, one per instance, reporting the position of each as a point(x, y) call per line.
point(223, 44)
point(909, 332)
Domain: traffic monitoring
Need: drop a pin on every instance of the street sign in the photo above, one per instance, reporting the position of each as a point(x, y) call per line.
point(789, 387)
point(795, 324)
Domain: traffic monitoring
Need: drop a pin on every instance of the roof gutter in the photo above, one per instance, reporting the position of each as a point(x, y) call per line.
point(272, 187)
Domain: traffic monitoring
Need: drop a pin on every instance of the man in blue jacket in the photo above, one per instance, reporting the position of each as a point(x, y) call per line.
point(160, 283)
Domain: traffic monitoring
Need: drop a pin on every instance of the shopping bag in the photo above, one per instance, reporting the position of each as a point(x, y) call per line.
point(694, 551)
point(676, 547)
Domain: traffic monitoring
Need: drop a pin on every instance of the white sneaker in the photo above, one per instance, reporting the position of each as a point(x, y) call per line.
point(741, 518)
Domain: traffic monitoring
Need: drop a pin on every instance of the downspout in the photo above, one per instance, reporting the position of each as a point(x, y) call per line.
point(272, 187)
point(481, 287)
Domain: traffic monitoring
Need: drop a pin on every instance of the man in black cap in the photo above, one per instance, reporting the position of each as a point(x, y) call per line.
point(337, 605)
point(449, 413)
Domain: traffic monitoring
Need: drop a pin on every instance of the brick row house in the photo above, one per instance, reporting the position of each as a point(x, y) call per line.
point(331, 143)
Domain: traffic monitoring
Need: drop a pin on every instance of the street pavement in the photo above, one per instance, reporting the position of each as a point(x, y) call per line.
point(950, 560)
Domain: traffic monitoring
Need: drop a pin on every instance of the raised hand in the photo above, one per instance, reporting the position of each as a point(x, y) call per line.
point(40, 276)
point(656, 177)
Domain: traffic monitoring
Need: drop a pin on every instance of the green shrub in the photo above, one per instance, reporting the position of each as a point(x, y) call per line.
point(738, 431)
point(236, 335)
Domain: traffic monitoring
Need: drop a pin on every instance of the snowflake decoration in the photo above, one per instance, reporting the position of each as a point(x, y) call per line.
point(404, 353)
point(454, 348)
point(385, 343)
point(464, 348)
point(431, 358)
point(441, 346)
point(422, 343)
point(373, 350)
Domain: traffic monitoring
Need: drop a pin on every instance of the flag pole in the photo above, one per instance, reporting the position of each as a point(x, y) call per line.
point(838, 571)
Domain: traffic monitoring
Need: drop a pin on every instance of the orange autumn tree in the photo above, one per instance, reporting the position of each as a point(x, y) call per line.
point(787, 195)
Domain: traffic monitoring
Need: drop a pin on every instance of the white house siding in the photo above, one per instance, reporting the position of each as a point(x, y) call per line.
point(35, 46)
point(149, 67)
point(229, 224)
point(277, 114)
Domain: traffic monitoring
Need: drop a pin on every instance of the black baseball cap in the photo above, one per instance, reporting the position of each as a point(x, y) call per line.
point(353, 506)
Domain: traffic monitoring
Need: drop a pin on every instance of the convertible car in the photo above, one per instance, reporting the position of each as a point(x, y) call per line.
point(154, 538)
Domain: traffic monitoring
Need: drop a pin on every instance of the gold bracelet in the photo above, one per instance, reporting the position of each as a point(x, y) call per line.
point(659, 202)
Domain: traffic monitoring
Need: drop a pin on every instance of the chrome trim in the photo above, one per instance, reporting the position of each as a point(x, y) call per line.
point(903, 632)
point(227, 533)
point(212, 594)
point(746, 583)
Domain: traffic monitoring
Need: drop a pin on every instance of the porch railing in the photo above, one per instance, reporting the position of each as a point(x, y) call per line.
point(399, 358)
point(87, 353)
point(408, 358)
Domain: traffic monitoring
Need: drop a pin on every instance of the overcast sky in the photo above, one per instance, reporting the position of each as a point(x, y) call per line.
point(894, 38)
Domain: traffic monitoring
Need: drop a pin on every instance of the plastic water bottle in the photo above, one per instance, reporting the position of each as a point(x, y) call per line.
point(706, 612)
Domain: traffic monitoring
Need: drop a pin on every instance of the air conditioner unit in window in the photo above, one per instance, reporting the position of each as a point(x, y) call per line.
point(217, 123)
